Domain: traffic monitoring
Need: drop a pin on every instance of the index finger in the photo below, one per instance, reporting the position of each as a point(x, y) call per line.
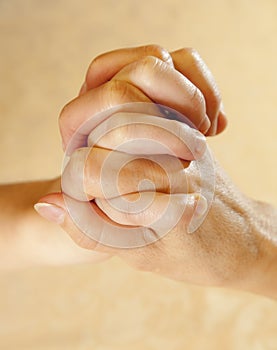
point(187, 61)
point(125, 132)
point(105, 66)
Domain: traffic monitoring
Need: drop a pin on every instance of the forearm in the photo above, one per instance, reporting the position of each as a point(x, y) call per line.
point(26, 239)
point(21, 229)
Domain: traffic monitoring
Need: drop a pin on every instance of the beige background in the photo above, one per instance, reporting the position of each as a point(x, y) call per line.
point(45, 49)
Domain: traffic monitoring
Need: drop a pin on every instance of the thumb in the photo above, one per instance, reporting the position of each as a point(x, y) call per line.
point(54, 207)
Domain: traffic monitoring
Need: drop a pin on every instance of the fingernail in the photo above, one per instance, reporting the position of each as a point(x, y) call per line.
point(201, 206)
point(50, 212)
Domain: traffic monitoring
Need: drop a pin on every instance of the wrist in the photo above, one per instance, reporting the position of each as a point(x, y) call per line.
point(263, 274)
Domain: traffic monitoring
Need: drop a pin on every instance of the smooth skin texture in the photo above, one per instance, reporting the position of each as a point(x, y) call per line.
point(236, 245)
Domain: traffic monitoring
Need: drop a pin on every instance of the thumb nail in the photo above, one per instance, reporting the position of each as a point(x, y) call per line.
point(50, 212)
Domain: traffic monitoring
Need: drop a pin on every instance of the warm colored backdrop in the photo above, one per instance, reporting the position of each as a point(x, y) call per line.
point(45, 49)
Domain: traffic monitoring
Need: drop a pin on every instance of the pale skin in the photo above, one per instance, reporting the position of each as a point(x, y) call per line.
point(235, 247)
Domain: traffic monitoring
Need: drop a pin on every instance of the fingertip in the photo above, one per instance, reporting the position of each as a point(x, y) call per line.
point(221, 123)
point(51, 207)
point(53, 198)
point(50, 212)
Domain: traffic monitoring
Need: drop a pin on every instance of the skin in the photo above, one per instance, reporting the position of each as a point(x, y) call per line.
point(26, 239)
point(236, 244)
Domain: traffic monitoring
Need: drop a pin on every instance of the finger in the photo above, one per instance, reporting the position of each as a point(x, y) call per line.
point(165, 85)
point(90, 228)
point(57, 204)
point(158, 211)
point(100, 173)
point(105, 66)
point(138, 133)
point(222, 122)
point(187, 61)
point(82, 114)
point(190, 64)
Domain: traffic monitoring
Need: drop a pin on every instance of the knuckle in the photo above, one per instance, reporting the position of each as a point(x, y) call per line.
point(65, 122)
point(213, 94)
point(149, 60)
point(192, 52)
point(117, 91)
point(64, 113)
point(147, 65)
point(96, 61)
point(189, 51)
point(192, 57)
point(157, 51)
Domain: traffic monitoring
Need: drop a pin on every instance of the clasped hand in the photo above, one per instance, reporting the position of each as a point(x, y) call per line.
point(225, 246)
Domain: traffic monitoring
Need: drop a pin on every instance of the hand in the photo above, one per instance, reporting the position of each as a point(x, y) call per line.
point(120, 76)
point(26, 239)
point(225, 250)
point(204, 257)
point(133, 75)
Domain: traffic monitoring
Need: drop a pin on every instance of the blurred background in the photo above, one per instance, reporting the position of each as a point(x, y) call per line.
point(46, 47)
